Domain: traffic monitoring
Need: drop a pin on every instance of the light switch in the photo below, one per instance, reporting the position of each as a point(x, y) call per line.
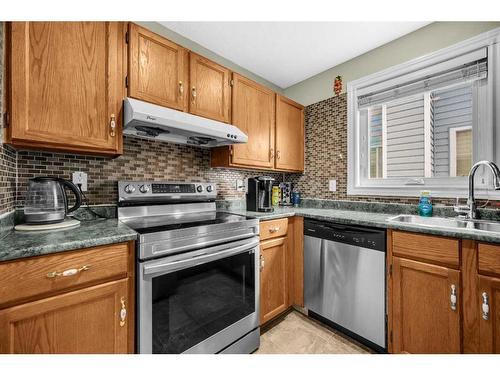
point(332, 186)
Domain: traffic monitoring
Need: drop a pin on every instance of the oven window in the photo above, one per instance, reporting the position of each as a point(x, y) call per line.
point(193, 304)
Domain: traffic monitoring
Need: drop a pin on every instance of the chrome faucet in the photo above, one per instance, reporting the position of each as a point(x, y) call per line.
point(470, 208)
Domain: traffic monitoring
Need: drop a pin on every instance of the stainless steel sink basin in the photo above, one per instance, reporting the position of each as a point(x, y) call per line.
point(484, 225)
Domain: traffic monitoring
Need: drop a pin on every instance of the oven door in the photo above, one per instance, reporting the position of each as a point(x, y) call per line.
point(200, 301)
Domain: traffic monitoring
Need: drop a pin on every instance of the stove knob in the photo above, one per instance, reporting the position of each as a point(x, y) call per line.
point(144, 188)
point(199, 188)
point(210, 188)
point(129, 189)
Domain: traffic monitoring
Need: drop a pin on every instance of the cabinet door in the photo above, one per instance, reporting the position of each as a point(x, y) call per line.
point(158, 69)
point(67, 84)
point(253, 110)
point(489, 326)
point(84, 321)
point(423, 318)
point(273, 278)
point(289, 135)
point(209, 88)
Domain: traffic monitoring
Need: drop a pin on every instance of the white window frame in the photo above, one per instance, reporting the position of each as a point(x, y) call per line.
point(485, 111)
point(453, 147)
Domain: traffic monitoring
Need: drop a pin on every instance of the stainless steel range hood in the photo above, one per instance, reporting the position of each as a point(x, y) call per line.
point(146, 120)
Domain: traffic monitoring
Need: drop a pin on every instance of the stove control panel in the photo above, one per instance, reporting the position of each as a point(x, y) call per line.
point(165, 191)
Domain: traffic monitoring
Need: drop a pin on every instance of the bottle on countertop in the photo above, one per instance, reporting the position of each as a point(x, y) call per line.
point(425, 204)
point(295, 197)
point(276, 194)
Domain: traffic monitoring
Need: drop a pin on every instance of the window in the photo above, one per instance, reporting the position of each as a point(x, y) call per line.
point(421, 125)
point(412, 137)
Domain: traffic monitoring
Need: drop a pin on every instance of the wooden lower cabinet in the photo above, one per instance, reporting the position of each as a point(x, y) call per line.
point(424, 320)
point(423, 271)
point(273, 275)
point(91, 310)
point(83, 321)
point(282, 266)
point(489, 324)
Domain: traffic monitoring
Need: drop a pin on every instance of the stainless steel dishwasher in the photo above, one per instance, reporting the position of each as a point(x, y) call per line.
point(344, 279)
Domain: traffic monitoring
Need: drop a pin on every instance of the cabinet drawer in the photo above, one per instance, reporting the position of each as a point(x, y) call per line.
point(435, 249)
point(273, 228)
point(489, 258)
point(23, 280)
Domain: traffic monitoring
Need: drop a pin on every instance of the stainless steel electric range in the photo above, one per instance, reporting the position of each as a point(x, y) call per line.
point(197, 270)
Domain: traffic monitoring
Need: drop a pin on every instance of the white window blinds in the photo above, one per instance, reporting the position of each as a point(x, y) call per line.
point(466, 68)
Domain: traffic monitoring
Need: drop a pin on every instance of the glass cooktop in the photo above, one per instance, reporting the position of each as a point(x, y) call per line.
point(152, 224)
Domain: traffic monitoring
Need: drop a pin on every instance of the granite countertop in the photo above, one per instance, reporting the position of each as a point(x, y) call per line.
point(373, 219)
point(16, 245)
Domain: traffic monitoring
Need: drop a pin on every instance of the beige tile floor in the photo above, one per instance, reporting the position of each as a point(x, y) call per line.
point(298, 334)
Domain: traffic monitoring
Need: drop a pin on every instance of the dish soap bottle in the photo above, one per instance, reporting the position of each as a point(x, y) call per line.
point(425, 204)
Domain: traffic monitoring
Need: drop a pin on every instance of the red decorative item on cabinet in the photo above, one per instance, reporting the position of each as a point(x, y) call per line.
point(337, 85)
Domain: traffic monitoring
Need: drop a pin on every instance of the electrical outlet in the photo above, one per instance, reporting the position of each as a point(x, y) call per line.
point(332, 185)
point(80, 178)
point(240, 185)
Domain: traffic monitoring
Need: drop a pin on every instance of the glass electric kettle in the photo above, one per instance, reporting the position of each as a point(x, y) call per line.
point(46, 200)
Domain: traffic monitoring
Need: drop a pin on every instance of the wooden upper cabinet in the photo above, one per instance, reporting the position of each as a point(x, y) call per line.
point(66, 83)
point(274, 280)
point(83, 321)
point(209, 94)
point(423, 318)
point(253, 112)
point(158, 69)
point(489, 324)
point(289, 134)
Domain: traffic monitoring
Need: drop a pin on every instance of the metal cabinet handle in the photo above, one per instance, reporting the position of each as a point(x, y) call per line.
point(453, 297)
point(278, 154)
point(261, 262)
point(271, 153)
point(123, 312)
point(112, 125)
point(193, 94)
point(181, 88)
point(485, 307)
point(274, 230)
point(69, 272)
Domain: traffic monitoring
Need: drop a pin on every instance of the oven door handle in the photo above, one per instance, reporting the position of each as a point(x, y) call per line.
point(171, 266)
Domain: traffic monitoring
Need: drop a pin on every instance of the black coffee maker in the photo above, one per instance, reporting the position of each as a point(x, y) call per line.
point(259, 194)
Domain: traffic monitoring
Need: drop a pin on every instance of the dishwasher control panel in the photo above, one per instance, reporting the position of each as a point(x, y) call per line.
point(371, 238)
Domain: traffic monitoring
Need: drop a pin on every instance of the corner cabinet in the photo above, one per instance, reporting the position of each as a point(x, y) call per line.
point(87, 309)
point(290, 135)
point(253, 111)
point(275, 129)
point(158, 69)
point(65, 84)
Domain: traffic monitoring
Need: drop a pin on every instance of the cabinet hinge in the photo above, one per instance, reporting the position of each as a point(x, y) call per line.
point(6, 119)
point(126, 37)
point(126, 81)
point(231, 82)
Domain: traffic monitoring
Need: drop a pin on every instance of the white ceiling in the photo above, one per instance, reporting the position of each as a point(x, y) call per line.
point(286, 53)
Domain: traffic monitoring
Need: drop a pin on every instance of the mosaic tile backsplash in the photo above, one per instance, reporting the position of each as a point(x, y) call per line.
point(141, 160)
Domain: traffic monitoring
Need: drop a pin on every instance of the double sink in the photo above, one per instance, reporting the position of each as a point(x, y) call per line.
point(453, 223)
